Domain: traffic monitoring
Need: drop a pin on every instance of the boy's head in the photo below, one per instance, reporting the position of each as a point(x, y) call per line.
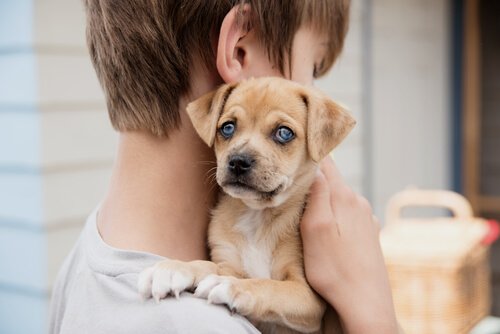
point(144, 51)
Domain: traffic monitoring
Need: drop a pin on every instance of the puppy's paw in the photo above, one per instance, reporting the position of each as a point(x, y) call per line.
point(206, 285)
point(164, 278)
point(225, 290)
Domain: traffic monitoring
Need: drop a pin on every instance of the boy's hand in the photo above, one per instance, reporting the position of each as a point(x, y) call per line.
point(342, 255)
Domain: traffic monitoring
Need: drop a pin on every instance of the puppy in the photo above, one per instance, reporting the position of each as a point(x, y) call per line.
point(268, 135)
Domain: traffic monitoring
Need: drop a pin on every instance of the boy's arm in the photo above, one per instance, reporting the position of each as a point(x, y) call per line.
point(342, 255)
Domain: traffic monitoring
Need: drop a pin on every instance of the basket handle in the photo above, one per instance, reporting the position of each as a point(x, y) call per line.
point(456, 203)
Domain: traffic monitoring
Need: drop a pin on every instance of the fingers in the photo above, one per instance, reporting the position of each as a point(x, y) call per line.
point(340, 192)
point(319, 198)
point(377, 223)
point(332, 173)
point(341, 195)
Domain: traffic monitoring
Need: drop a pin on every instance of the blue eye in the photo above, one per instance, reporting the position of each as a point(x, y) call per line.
point(227, 129)
point(283, 135)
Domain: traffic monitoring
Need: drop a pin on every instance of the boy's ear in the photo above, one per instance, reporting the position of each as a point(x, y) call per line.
point(205, 111)
point(327, 123)
point(230, 51)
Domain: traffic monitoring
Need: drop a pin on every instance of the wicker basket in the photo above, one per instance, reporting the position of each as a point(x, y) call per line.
point(438, 267)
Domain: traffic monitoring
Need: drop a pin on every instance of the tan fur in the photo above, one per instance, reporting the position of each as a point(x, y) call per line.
point(263, 221)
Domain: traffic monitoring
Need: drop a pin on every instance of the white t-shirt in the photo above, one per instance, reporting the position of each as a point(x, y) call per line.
point(96, 292)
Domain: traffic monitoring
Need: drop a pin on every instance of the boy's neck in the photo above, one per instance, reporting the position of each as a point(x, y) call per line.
point(160, 195)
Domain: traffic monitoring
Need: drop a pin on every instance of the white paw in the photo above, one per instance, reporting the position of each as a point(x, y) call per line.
point(144, 283)
point(221, 294)
point(217, 290)
point(163, 279)
point(207, 284)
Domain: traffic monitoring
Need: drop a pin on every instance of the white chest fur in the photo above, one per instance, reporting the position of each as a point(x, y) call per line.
point(256, 252)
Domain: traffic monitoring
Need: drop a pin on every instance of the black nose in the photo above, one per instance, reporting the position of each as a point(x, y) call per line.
point(240, 164)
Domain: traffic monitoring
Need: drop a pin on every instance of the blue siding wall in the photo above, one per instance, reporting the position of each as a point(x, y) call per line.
point(23, 249)
point(19, 139)
point(18, 79)
point(16, 24)
point(22, 311)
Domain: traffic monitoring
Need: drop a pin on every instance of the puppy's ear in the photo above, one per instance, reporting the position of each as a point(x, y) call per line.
point(205, 111)
point(327, 123)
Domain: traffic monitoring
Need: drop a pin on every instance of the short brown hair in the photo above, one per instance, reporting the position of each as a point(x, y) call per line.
point(142, 49)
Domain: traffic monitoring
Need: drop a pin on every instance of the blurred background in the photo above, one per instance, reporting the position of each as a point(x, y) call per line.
point(422, 77)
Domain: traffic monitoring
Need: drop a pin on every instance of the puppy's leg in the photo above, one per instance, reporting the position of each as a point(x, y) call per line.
point(288, 303)
point(173, 277)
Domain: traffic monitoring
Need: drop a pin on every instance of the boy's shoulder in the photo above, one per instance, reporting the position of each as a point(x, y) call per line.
point(96, 292)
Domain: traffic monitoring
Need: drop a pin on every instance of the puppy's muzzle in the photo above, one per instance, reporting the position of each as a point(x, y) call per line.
point(240, 164)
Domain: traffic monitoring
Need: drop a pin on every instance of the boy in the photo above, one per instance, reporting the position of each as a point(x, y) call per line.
point(152, 57)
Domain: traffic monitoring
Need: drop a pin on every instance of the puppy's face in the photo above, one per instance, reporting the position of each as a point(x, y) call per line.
point(260, 143)
point(267, 135)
